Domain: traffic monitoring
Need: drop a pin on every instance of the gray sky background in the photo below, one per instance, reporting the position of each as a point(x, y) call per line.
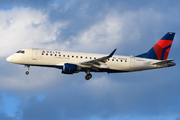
point(96, 26)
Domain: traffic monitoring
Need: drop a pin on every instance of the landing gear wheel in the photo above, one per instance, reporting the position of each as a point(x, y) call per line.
point(88, 76)
point(27, 72)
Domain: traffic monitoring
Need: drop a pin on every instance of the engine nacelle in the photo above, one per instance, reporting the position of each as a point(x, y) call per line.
point(70, 68)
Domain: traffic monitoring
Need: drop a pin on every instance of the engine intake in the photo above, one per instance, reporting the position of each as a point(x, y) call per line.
point(70, 68)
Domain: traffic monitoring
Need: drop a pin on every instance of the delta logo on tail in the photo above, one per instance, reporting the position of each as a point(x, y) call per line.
point(161, 49)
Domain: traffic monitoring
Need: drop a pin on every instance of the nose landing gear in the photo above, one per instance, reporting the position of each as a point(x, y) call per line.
point(27, 72)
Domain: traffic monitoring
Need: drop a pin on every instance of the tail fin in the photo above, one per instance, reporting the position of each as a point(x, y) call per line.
point(160, 50)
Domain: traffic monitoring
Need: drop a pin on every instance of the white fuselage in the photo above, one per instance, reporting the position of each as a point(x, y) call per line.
point(57, 59)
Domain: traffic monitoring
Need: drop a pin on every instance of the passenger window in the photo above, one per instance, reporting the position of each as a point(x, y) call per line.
point(46, 54)
point(94, 57)
point(55, 54)
point(51, 54)
point(76, 56)
point(117, 60)
point(81, 57)
point(125, 60)
point(63, 55)
point(58, 52)
point(90, 57)
point(112, 59)
point(59, 55)
point(50, 51)
point(47, 51)
point(42, 53)
point(86, 57)
point(72, 56)
point(68, 56)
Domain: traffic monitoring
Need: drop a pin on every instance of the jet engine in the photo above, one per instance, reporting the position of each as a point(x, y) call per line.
point(70, 68)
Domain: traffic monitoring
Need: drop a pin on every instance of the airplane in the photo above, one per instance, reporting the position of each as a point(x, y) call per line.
point(74, 62)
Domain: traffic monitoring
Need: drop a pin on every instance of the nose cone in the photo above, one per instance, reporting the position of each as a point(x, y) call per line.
point(9, 59)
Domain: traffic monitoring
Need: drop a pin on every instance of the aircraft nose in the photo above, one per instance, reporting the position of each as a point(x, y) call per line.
point(9, 59)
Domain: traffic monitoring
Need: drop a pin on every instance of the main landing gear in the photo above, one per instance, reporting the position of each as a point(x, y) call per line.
point(27, 72)
point(88, 75)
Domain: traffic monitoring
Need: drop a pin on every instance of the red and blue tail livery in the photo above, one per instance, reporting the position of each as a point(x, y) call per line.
point(160, 50)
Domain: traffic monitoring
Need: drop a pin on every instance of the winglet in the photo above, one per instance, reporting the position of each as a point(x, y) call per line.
point(110, 55)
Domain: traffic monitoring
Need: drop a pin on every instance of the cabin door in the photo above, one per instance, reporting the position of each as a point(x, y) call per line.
point(132, 62)
point(34, 54)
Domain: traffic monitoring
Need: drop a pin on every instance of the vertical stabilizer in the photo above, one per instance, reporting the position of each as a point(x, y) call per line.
point(161, 49)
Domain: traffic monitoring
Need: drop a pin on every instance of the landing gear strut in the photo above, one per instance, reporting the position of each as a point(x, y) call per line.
point(27, 72)
point(88, 75)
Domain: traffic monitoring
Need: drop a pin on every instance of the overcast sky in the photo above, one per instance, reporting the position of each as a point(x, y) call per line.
point(95, 26)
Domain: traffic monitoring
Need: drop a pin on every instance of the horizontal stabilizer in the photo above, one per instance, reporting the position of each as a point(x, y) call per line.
point(163, 62)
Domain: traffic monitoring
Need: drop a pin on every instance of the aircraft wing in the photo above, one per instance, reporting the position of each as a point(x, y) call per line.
point(96, 63)
point(163, 62)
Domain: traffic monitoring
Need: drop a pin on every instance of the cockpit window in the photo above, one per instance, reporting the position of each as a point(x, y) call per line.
point(20, 51)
